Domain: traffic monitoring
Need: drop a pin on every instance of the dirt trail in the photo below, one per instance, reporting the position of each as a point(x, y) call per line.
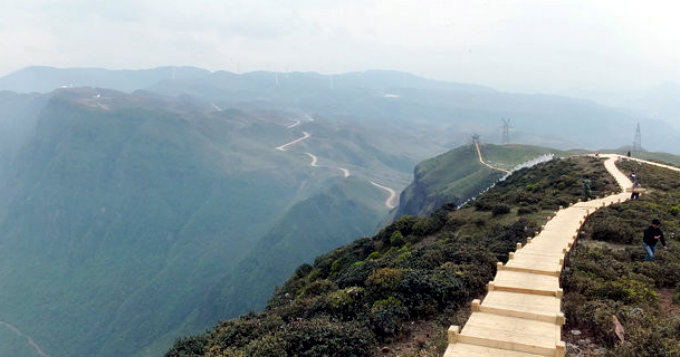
point(481, 160)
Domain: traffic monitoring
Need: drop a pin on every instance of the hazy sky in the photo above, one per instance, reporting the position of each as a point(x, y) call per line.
point(524, 45)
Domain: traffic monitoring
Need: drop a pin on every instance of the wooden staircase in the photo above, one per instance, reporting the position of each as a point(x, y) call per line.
point(521, 314)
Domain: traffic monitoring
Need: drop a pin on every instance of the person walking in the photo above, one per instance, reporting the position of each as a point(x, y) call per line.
point(653, 234)
point(587, 192)
point(635, 191)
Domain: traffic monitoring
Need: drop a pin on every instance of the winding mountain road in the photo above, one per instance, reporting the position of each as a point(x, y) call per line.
point(390, 203)
point(27, 337)
point(392, 199)
point(345, 172)
point(305, 135)
point(296, 123)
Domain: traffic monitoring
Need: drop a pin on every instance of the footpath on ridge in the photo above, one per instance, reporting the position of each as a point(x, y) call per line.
point(521, 313)
point(481, 160)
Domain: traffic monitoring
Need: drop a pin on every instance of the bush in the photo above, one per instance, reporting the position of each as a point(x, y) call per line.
point(483, 205)
point(384, 280)
point(192, 346)
point(628, 291)
point(322, 337)
point(318, 287)
point(675, 210)
point(397, 239)
point(343, 302)
point(267, 346)
point(526, 210)
point(387, 315)
point(356, 275)
point(500, 209)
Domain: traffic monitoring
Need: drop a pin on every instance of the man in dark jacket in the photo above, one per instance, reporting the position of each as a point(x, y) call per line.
point(653, 234)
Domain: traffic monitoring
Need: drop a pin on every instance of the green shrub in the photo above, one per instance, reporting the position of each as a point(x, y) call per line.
point(628, 291)
point(675, 210)
point(526, 210)
point(397, 239)
point(500, 209)
point(382, 280)
point(483, 205)
point(322, 337)
point(337, 264)
point(387, 315)
point(356, 275)
point(267, 346)
point(343, 302)
point(318, 287)
point(189, 347)
point(373, 256)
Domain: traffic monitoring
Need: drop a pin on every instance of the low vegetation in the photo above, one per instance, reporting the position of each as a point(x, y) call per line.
point(607, 276)
point(370, 293)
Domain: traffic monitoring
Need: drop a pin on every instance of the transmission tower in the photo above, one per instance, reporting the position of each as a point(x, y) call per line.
point(506, 131)
point(637, 143)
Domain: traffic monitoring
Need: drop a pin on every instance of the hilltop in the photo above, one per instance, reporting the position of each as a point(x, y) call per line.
point(408, 282)
point(456, 176)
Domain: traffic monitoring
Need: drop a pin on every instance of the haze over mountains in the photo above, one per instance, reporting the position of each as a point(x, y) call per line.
point(138, 206)
point(389, 95)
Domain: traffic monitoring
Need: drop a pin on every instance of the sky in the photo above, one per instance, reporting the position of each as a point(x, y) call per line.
point(547, 46)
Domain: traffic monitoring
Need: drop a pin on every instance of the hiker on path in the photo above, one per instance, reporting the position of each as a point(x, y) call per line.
point(587, 194)
point(635, 191)
point(652, 235)
point(633, 178)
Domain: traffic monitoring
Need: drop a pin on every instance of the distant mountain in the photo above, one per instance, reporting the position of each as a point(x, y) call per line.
point(447, 109)
point(46, 79)
point(124, 211)
point(457, 176)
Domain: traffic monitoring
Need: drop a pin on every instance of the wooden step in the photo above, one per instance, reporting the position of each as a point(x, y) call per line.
point(512, 333)
point(522, 282)
point(546, 266)
point(528, 306)
point(467, 350)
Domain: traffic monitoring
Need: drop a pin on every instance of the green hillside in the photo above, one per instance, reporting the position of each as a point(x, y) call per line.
point(457, 175)
point(123, 210)
point(416, 275)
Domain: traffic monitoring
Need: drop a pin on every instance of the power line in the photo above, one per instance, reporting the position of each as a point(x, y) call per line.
point(637, 142)
point(506, 131)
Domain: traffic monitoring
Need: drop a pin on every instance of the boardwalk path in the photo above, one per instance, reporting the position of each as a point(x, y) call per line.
point(521, 313)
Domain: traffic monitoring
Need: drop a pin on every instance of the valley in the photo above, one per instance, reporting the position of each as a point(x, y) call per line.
point(192, 199)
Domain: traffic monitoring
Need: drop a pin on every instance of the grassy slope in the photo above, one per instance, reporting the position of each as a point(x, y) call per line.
point(457, 175)
point(606, 274)
point(365, 294)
